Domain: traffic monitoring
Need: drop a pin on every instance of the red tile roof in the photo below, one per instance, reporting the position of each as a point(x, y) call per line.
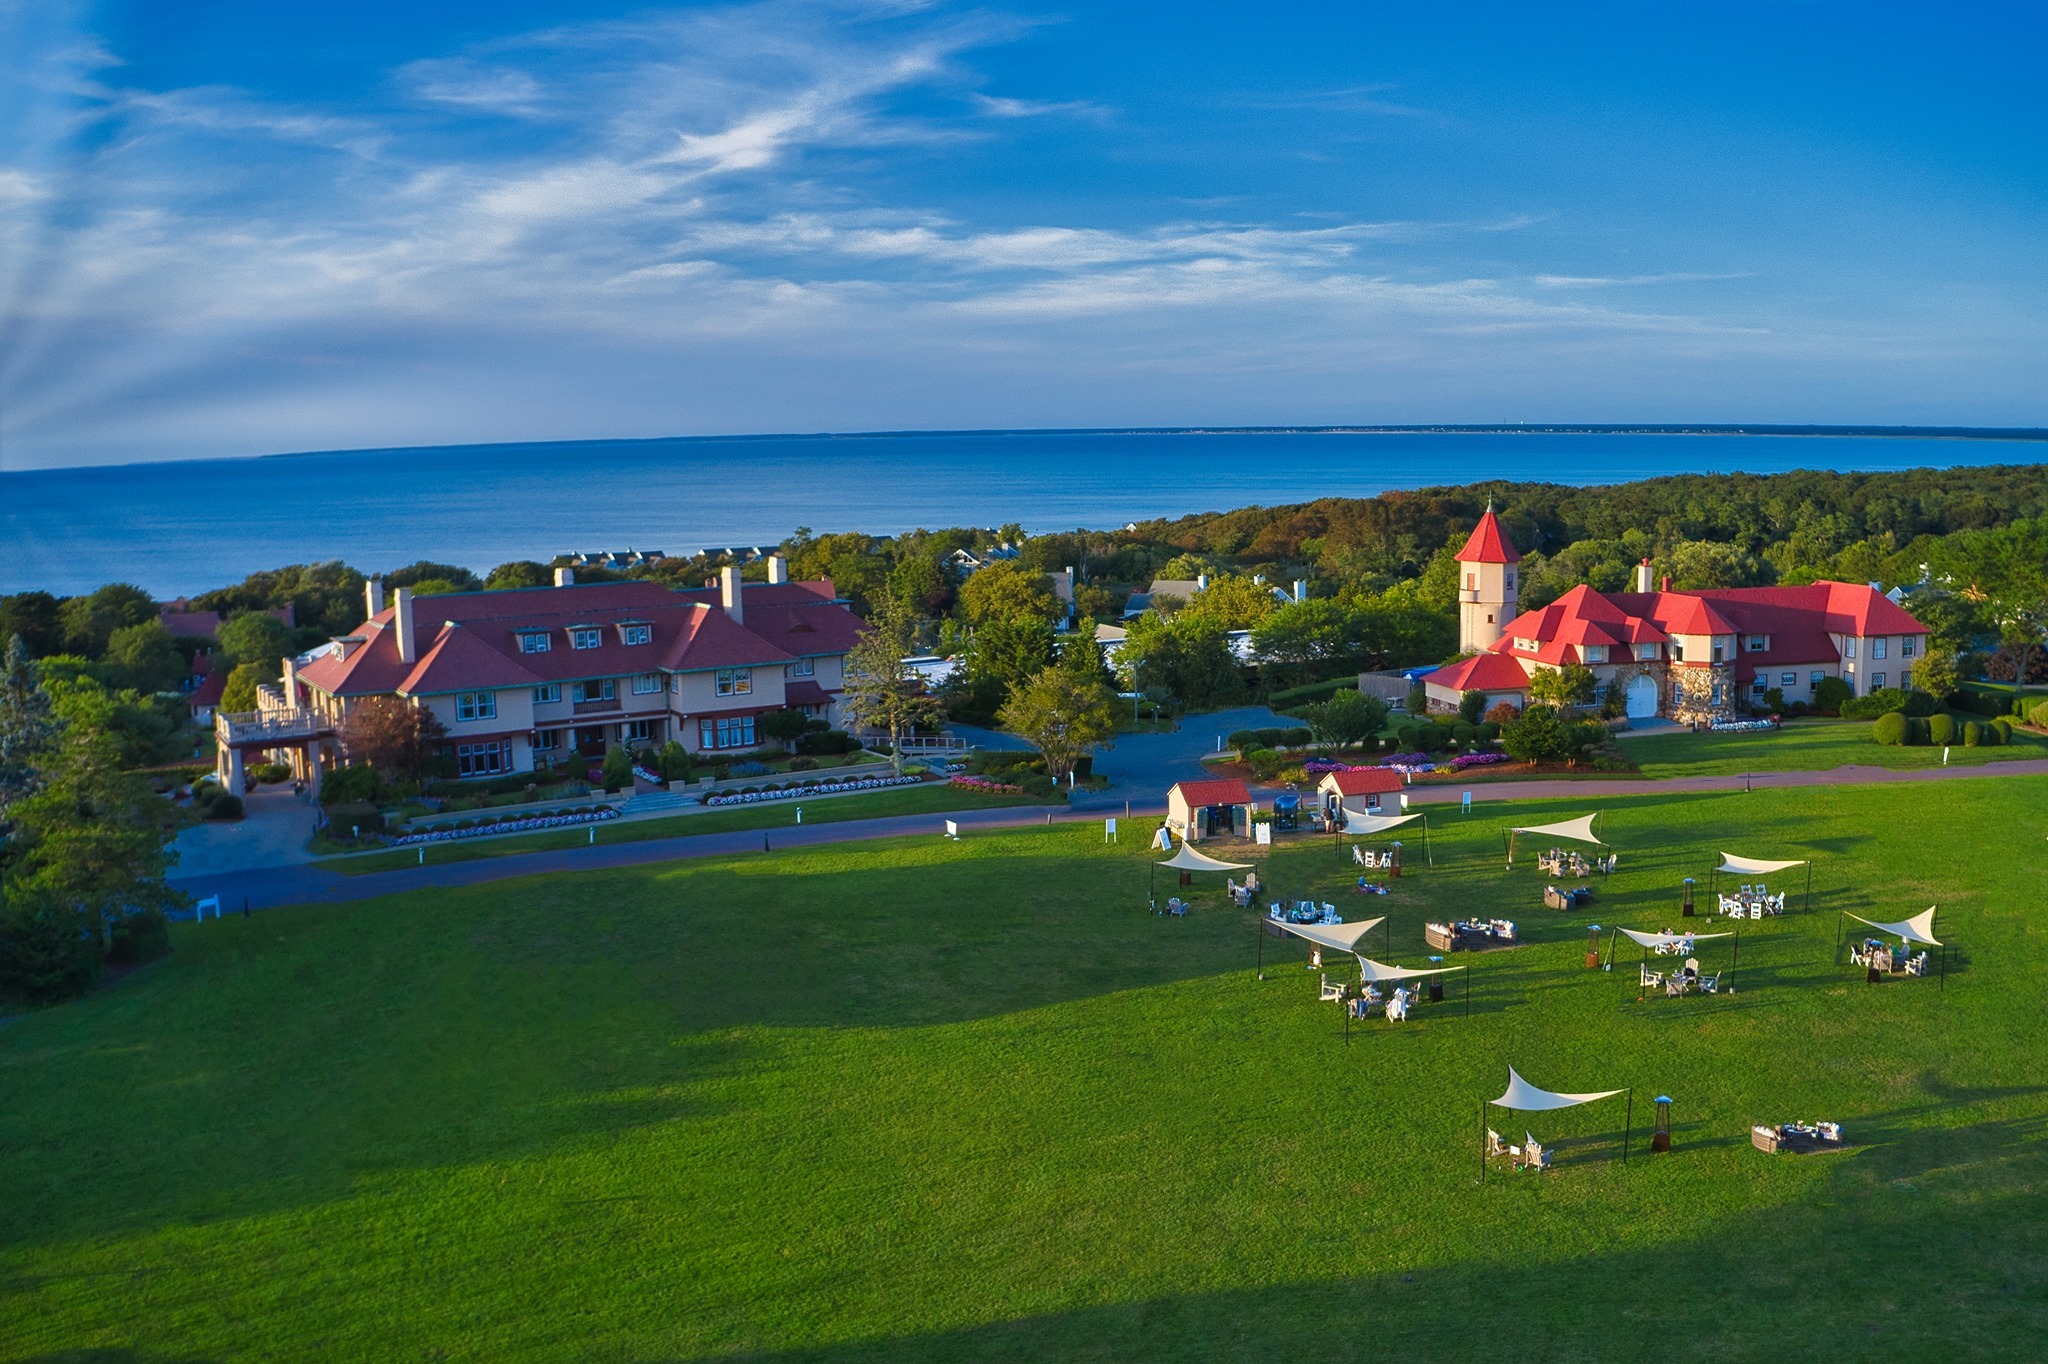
point(1200, 795)
point(1488, 543)
point(472, 639)
point(1490, 671)
point(805, 692)
point(1369, 781)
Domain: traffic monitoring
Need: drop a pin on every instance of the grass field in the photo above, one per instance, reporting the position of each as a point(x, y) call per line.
point(906, 800)
point(918, 1100)
point(1805, 745)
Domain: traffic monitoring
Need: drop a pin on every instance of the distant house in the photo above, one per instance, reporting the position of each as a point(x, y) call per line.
point(1686, 655)
point(183, 622)
point(935, 671)
point(204, 687)
point(1182, 588)
point(966, 561)
point(1206, 809)
point(1359, 790)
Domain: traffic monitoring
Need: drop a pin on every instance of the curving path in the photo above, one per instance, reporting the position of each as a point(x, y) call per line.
point(272, 886)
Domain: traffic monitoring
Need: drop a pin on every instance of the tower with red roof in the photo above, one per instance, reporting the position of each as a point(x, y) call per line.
point(1486, 583)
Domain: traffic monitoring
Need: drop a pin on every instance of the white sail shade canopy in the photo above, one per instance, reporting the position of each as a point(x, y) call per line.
point(1919, 928)
point(1342, 937)
point(1527, 1098)
point(1754, 866)
point(1188, 859)
point(1579, 830)
point(1669, 939)
point(1362, 822)
point(1368, 969)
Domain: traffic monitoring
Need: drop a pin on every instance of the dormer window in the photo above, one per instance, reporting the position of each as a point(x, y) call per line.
point(1758, 644)
point(533, 641)
point(1596, 653)
point(1527, 646)
point(636, 634)
point(585, 637)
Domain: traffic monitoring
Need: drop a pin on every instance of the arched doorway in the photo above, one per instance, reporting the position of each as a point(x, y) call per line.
point(1642, 697)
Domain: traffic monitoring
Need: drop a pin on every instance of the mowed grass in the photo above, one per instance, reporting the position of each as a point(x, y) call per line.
point(1806, 745)
point(918, 1100)
point(883, 804)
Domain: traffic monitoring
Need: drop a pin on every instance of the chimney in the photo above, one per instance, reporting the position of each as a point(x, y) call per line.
point(565, 577)
point(373, 598)
point(1301, 589)
point(1665, 585)
point(1201, 582)
point(729, 593)
point(778, 569)
point(401, 616)
point(1643, 576)
point(291, 683)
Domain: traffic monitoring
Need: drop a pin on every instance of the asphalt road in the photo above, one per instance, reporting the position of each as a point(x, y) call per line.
point(270, 887)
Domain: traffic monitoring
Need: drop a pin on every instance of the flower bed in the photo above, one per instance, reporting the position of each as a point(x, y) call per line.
point(986, 787)
point(826, 788)
point(1317, 767)
point(508, 826)
point(1465, 760)
point(1742, 726)
point(651, 778)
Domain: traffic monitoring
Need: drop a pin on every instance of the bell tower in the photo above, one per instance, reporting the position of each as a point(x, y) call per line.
point(1486, 584)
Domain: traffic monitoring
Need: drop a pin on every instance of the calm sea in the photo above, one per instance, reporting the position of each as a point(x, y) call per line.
point(185, 527)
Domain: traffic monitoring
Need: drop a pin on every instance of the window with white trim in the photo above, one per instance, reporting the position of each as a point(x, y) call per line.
point(546, 740)
point(601, 689)
point(588, 637)
point(1758, 643)
point(483, 760)
point(639, 731)
point(547, 693)
point(735, 681)
point(1788, 679)
point(1814, 679)
point(1906, 647)
point(735, 732)
point(1596, 653)
point(636, 634)
point(1876, 681)
point(1877, 646)
point(646, 684)
point(803, 667)
point(1849, 647)
point(534, 642)
point(476, 705)
point(1646, 652)
point(1905, 679)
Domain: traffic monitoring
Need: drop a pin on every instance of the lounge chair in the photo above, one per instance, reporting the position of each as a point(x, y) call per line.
point(1330, 990)
point(1493, 1143)
point(1710, 984)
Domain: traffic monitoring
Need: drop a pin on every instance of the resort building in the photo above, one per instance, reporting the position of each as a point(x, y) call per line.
point(1687, 656)
point(533, 677)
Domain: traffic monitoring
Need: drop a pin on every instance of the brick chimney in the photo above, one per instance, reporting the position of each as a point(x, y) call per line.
point(1665, 586)
point(1643, 576)
point(401, 617)
point(729, 593)
point(373, 598)
point(565, 577)
point(778, 569)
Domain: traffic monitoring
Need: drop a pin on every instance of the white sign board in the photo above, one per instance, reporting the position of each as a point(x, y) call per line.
point(1163, 839)
point(1264, 835)
point(952, 829)
point(1109, 831)
point(1468, 800)
point(211, 902)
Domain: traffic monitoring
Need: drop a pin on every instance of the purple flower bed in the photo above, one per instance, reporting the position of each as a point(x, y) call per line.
point(1465, 760)
point(1406, 760)
point(1317, 767)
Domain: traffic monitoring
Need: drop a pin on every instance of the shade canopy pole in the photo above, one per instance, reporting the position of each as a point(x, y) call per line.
point(1943, 983)
point(1734, 957)
point(1809, 885)
point(1427, 854)
point(1152, 888)
point(1838, 937)
point(1482, 1141)
point(1259, 929)
point(1468, 989)
point(1628, 1124)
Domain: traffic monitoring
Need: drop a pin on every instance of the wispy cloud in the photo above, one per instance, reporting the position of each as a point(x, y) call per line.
point(1618, 281)
point(997, 106)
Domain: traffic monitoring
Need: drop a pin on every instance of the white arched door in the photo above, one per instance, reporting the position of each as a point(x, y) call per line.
point(1642, 697)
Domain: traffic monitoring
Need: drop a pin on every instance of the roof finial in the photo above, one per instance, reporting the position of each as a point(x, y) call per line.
point(1489, 504)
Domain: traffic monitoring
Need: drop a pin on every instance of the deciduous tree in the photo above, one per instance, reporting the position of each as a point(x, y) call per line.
point(1064, 713)
point(393, 736)
point(881, 693)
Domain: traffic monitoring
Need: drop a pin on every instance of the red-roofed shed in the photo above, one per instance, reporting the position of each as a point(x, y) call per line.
point(1204, 809)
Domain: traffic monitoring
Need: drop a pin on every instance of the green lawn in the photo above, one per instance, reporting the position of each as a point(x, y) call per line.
point(919, 1100)
point(903, 800)
point(1804, 745)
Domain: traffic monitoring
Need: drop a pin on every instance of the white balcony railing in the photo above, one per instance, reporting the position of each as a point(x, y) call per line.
point(255, 726)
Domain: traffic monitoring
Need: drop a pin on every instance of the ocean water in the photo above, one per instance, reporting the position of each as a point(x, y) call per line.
point(184, 527)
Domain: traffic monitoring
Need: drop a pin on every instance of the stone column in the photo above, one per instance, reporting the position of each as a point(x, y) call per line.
point(233, 780)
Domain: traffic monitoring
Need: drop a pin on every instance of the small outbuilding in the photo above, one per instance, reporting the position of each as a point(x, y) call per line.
point(1360, 789)
point(1205, 809)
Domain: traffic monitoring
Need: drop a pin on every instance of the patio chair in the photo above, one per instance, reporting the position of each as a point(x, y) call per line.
point(1756, 911)
point(1177, 908)
point(1710, 984)
point(1493, 1143)
point(1330, 991)
point(1357, 856)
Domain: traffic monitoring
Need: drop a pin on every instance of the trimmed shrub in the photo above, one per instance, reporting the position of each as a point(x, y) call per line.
point(269, 774)
point(1432, 738)
point(1973, 734)
point(1489, 731)
point(1040, 785)
point(1503, 713)
point(1464, 731)
point(358, 781)
point(2038, 716)
point(355, 814)
point(803, 764)
point(826, 742)
point(1830, 694)
point(2002, 727)
point(1881, 701)
point(1242, 740)
point(1265, 763)
point(224, 806)
point(1471, 705)
point(1941, 728)
point(1890, 728)
point(1920, 703)
point(1408, 738)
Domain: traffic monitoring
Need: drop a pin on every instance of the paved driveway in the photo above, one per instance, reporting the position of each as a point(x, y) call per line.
point(1142, 766)
point(272, 833)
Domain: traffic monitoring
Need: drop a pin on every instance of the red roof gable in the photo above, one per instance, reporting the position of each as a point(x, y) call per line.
point(1218, 791)
point(1488, 543)
point(1368, 781)
point(1482, 672)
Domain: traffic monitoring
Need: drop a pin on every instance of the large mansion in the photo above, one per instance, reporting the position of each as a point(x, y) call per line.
point(1688, 656)
point(526, 678)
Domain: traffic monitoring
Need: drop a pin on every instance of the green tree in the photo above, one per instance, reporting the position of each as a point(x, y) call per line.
point(257, 637)
point(1538, 736)
point(917, 582)
point(393, 736)
point(1569, 685)
point(1064, 714)
point(32, 616)
point(427, 578)
point(1347, 718)
point(881, 693)
point(147, 656)
point(1232, 602)
point(1007, 590)
point(519, 573)
point(786, 726)
point(1936, 673)
point(675, 762)
point(1471, 706)
point(28, 727)
point(325, 598)
point(238, 696)
point(88, 621)
point(1003, 654)
point(617, 772)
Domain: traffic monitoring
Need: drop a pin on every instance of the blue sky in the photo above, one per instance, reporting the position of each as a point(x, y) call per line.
point(236, 228)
